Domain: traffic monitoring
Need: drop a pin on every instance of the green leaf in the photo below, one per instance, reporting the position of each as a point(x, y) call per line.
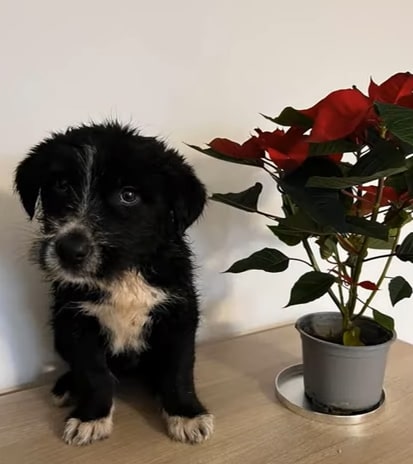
point(291, 117)
point(377, 244)
point(327, 245)
point(296, 227)
point(324, 206)
point(351, 337)
point(231, 159)
point(287, 206)
point(335, 146)
point(406, 147)
point(310, 286)
point(398, 120)
point(398, 182)
point(247, 200)
point(405, 250)
point(327, 207)
point(383, 160)
point(300, 222)
point(286, 236)
point(384, 155)
point(382, 319)
point(339, 183)
point(402, 182)
point(399, 289)
point(267, 259)
point(396, 218)
point(362, 226)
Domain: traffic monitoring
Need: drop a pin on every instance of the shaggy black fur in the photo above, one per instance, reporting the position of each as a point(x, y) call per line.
point(110, 202)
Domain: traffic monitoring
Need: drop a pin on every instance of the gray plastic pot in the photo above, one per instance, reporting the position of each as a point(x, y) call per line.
point(342, 379)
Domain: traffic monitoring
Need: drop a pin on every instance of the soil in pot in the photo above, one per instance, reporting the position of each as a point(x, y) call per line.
point(370, 335)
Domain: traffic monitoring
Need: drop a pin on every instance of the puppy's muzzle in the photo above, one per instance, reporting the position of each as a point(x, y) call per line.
point(73, 249)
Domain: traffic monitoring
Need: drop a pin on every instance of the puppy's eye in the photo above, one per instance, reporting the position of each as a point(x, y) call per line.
point(61, 186)
point(128, 196)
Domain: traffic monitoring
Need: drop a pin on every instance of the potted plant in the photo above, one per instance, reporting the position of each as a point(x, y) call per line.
point(345, 175)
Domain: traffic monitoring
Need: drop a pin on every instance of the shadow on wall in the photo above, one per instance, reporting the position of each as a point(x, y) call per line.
point(222, 236)
point(25, 338)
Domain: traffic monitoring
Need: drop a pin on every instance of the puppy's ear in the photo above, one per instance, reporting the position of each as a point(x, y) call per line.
point(27, 182)
point(188, 195)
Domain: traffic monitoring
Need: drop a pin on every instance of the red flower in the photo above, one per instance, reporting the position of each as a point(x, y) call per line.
point(389, 195)
point(346, 112)
point(338, 115)
point(397, 90)
point(366, 203)
point(251, 149)
point(288, 149)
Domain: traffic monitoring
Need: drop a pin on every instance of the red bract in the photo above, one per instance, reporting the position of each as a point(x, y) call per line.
point(368, 285)
point(397, 90)
point(250, 149)
point(365, 205)
point(338, 115)
point(287, 150)
point(389, 194)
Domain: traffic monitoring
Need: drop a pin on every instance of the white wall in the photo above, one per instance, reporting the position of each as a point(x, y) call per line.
point(188, 70)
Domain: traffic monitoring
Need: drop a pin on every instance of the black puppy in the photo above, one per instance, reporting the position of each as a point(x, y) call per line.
point(114, 207)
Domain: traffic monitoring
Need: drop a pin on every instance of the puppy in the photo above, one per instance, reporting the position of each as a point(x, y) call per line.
point(113, 207)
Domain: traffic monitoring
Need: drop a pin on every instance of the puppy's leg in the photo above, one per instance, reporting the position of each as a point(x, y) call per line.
point(62, 391)
point(91, 420)
point(187, 420)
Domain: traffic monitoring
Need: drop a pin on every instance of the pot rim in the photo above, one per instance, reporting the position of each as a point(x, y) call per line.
point(338, 315)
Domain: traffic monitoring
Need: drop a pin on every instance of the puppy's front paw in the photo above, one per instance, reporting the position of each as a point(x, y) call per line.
point(81, 433)
point(190, 429)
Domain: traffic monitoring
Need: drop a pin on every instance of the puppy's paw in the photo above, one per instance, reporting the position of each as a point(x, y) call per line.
point(190, 429)
point(81, 433)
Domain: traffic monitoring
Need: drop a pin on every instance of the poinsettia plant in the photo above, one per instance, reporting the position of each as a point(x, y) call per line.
point(344, 170)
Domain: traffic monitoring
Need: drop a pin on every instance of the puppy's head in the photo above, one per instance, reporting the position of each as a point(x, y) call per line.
point(106, 198)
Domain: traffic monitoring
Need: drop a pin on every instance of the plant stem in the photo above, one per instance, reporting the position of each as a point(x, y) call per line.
point(272, 174)
point(358, 196)
point(268, 163)
point(359, 192)
point(363, 303)
point(378, 257)
point(313, 261)
point(383, 210)
point(355, 275)
point(346, 244)
point(269, 216)
point(271, 169)
point(316, 267)
point(301, 261)
point(382, 276)
point(342, 271)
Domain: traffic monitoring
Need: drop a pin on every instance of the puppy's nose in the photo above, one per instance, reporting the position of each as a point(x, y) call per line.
point(73, 248)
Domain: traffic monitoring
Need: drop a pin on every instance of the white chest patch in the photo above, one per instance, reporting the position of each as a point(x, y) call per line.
point(125, 312)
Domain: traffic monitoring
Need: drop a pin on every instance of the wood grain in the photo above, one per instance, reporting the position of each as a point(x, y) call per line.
point(235, 379)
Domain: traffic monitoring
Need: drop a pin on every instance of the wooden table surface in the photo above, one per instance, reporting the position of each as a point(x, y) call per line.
point(236, 381)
